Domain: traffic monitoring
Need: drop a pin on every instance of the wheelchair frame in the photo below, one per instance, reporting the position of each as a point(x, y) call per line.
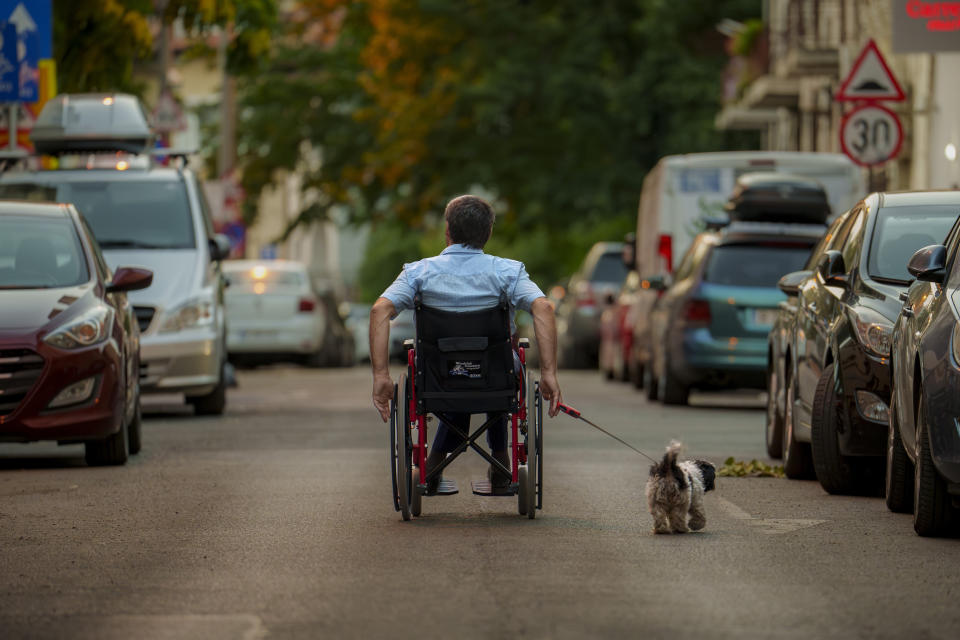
point(409, 452)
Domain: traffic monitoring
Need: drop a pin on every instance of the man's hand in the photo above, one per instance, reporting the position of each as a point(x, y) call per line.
point(382, 394)
point(550, 389)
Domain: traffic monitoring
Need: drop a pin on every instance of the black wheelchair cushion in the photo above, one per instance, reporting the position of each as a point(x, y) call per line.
point(465, 360)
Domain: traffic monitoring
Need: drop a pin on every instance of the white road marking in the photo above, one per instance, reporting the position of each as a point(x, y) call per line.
point(767, 525)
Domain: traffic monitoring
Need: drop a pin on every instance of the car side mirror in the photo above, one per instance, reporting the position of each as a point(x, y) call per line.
point(790, 283)
point(929, 264)
point(832, 269)
point(130, 279)
point(220, 247)
point(654, 283)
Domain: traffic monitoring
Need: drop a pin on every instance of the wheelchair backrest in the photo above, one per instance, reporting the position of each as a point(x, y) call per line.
point(464, 360)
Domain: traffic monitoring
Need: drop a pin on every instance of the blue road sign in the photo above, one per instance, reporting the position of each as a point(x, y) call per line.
point(9, 69)
point(33, 20)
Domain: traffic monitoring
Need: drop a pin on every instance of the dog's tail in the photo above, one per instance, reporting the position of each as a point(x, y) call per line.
point(668, 466)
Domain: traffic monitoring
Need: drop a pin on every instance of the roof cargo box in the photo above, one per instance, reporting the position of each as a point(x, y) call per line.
point(777, 197)
point(92, 122)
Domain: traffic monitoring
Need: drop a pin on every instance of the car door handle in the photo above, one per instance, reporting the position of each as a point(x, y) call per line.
point(903, 296)
point(907, 311)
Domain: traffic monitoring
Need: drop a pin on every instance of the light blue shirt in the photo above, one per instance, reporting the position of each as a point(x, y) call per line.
point(462, 278)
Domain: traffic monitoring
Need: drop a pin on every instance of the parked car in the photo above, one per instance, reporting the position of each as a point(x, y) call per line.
point(69, 341)
point(401, 328)
point(923, 443)
point(274, 313)
point(358, 322)
point(710, 327)
point(591, 289)
point(339, 342)
point(780, 342)
point(837, 378)
point(147, 214)
point(616, 323)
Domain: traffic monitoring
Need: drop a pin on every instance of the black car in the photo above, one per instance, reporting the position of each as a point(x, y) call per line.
point(837, 378)
point(923, 439)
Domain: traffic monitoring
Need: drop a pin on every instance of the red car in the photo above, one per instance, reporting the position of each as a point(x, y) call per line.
point(69, 340)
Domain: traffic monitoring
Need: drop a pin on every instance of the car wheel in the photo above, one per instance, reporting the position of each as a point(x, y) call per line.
point(836, 473)
point(650, 384)
point(774, 428)
point(796, 455)
point(672, 391)
point(109, 451)
point(214, 403)
point(932, 505)
point(899, 476)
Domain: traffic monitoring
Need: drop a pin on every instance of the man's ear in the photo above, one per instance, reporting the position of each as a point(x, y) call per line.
point(447, 234)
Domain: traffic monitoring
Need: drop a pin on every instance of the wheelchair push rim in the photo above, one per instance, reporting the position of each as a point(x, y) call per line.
point(393, 448)
point(403, 448)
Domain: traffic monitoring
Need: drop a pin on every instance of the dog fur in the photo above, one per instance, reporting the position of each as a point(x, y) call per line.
point(675, 490)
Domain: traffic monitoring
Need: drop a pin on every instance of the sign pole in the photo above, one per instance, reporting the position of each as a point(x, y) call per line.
point(12, 128)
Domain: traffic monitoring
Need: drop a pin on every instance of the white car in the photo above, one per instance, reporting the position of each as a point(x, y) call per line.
point(273, 312)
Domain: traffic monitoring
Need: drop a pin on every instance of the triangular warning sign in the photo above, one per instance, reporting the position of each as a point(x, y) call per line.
point(870, 78)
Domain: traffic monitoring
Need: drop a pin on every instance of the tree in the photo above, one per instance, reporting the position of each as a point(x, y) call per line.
point(554, 109)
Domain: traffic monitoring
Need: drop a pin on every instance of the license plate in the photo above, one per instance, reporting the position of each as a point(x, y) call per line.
point(765, 317)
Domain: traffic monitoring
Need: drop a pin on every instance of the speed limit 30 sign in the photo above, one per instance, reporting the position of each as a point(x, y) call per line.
point(871, 135)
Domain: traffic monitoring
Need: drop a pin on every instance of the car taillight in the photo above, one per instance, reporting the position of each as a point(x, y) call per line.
point(586, 299)
point(696, 312)
point(665, 251)
point(307, 305)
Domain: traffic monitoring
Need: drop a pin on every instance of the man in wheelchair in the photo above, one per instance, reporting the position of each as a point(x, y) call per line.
point(464, 279)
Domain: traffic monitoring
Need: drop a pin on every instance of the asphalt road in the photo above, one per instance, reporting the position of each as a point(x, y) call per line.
point(275, 521)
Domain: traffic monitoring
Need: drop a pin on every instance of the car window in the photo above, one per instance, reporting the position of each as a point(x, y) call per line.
point(205, 210)
point(268, 277)
point(98, 258)
point(690, 260)
point(40, 253)
point(609, 268)
point(900, 232)
point(754, 265)
point(851, 247)
point(125, 213)
point(836, 243)
point(823, 243)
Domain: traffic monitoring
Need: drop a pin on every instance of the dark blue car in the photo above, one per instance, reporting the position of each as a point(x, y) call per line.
point(923, 443)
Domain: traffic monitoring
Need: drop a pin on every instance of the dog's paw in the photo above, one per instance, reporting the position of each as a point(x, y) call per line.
point(696, 524)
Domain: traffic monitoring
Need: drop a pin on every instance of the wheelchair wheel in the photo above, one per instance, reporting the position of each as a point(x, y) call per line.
point(404, 471)
point(522, 493)
point(533, 393)
point(539, 433)
point(416, 497)
point(394, 418)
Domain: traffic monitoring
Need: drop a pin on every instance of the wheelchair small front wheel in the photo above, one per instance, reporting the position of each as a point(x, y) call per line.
point(522, 493)
point(416, 501)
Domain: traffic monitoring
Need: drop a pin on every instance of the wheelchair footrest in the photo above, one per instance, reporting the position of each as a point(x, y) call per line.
point(484, 488)
point(447, 487)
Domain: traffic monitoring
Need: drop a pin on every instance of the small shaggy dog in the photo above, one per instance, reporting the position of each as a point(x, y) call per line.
point(675, 489)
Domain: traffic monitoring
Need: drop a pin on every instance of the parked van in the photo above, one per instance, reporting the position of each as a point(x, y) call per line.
point(682, 193)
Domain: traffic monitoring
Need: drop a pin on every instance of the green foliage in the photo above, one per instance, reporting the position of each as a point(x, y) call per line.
point(747, 39)
point(753, 469)
point(97, 42)
point(553, 109)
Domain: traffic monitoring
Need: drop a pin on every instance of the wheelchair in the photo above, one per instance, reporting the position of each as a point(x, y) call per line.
point(465, 362)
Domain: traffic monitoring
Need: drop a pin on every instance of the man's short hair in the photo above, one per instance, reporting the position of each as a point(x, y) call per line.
point(469, 221)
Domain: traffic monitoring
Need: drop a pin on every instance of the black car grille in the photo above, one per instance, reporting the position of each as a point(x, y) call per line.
point(19, 370)
point(144, 317)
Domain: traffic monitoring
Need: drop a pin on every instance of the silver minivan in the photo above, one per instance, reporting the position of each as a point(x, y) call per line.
point(145, 214)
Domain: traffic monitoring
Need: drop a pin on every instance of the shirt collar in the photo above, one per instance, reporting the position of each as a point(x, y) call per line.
point(460, 248)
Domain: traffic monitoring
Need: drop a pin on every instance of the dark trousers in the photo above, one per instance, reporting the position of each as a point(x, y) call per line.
point(447, 439)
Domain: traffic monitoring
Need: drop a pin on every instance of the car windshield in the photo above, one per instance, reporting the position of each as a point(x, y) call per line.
point(135, 214)
point(609, 268)
point(40, 253)
point(900, 232)
point(754, 265)
point(267, 277)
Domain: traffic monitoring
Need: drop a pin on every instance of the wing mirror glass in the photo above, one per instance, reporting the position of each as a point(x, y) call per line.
point(790, 283)
point(929, 264)
point(220, 247)
point(832, 269)
point(130, 279)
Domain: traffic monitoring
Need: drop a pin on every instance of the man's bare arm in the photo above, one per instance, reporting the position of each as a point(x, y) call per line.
point(545, 328)
point(380, 314)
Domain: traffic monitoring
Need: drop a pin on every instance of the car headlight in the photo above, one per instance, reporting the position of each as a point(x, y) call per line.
point(874, 331)
point(197, 312)
point(89, 329)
